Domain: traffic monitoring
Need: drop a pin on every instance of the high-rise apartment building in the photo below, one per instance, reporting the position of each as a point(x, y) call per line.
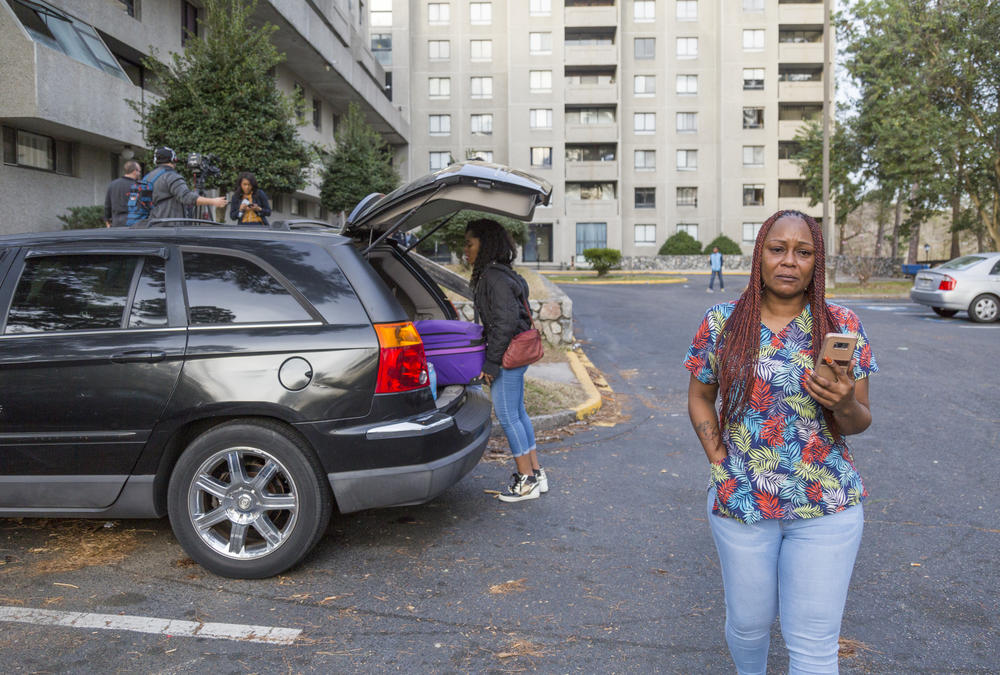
point(648, 116)
point(69, 68)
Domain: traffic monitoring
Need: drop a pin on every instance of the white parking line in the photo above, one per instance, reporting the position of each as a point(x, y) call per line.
point(148, 624)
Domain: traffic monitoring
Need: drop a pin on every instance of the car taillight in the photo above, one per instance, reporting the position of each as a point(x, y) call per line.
point(402, 365)
point(948, 283)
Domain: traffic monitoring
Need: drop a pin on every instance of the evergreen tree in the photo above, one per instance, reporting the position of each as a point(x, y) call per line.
point(452, 235)
point(726, 246)
point(681, 243)
point(360, 164)
point(220, 98)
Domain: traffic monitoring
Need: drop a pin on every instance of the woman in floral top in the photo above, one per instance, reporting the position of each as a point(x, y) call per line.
point(785, 500)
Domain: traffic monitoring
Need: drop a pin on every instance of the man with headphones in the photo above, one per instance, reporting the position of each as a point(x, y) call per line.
point(171, 195)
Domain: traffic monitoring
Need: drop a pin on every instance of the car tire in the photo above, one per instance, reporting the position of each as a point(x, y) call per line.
point(984, 308)
point(946, 313)
point(251, 526)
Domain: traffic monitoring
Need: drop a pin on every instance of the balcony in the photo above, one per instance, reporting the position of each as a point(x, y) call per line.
point(592, 209)
point(591, 133)
point(800, 92)
point(593, 55)
point(592, 171)
point(788, 170)
point(799, 204)
point(800, 13)
point(591, 93)
point(787, 129)
point(594, 17)
point(800, 52)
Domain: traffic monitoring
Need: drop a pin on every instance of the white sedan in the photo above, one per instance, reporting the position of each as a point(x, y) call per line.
point(970, 283)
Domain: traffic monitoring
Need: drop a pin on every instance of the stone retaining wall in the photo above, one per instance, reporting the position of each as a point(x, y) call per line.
point(847, 266)
point(553, 314)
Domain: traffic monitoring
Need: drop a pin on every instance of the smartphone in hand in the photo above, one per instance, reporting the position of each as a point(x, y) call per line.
point(839, 348)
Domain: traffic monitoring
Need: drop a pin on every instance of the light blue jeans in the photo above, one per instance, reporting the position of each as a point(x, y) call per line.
point(507, 391)
point(799, 569)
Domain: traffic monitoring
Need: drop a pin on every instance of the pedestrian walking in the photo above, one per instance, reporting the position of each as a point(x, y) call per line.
point(715, 262)
point(784, 504)
point(500, 296)
point(116, 198)
point(249, 203)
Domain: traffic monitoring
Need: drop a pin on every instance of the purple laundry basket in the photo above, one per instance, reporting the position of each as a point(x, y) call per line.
point(456, 348)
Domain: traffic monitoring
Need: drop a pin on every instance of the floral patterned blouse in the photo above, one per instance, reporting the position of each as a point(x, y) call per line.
point(783, 461)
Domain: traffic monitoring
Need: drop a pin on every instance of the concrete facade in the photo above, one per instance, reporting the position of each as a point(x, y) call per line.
point(629, 84)
point(82, 110)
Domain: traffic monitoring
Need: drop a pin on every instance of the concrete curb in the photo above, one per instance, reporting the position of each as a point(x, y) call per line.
point(570, 415)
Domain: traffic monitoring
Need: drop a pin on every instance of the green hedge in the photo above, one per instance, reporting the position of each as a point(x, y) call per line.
point(726, 246)
point(83, 217)
point(681, 243)
point(602, 259)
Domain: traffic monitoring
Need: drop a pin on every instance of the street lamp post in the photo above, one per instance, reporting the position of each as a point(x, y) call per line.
point(927, 253)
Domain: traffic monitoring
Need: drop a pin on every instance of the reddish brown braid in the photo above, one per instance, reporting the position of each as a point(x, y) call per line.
point(739, 343)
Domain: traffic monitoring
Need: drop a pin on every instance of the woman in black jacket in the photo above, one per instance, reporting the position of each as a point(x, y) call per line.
point(249, 203)
point(501, 298)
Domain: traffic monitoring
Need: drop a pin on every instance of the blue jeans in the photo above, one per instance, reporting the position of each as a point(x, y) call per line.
point(716, 273)
point(507, 391)
point(799, 569)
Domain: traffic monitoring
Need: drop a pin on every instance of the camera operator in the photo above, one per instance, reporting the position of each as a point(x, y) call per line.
point(171, 196)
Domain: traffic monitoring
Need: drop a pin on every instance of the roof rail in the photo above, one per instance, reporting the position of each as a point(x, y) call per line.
point(304, 224)
point(174, 222)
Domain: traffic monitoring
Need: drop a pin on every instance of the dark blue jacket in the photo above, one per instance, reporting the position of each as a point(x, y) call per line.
point(259, 198)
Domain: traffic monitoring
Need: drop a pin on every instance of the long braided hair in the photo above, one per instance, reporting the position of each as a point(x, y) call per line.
point(495, 245)
point(739, 343)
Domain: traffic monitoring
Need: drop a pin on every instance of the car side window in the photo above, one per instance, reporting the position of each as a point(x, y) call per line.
point(71, 292)
point(224, 289)
point(996, 268)
point(149, 308)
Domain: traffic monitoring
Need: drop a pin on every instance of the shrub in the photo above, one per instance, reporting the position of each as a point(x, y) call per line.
point(726, 246)
point(681, 243)
point(83, 217)
point(602, 259)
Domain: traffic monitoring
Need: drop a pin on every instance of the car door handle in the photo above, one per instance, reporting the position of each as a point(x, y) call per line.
point(139, 356)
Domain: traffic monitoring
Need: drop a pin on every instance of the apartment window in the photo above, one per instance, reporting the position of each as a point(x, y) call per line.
point(540, 43)
point(800, 35)
point(480, 155)
point(753, 5)
point(644, 85)
point(753, 118)
point(805, 112)
point(644, 123)
point(295, 206)
point(645, 235)
point(577, 76)
point(317, 114)
point(381, 13)
point(645, 48)
point(439, 13)
point(438, 50)
point(689, 228)
point(590, 235)
point(687, 160)
point(540, 80)
point(643, 10)
point(35, 151)
point(645, 160)
point(788, 149)
point(645, 198)
point(439, 125)
point(753, 155)
point(540, 7)
point(583, 37)
point(792, 189)
point(687, 122)
point(538, 247)
point(540, 118)
point(481, 124)
point(687, 196)
point(440, 160)
point(753, 195)
point(541, 157)
point(753, 78)
point(687, 47)
point(800, 73)
point(481, 50)
point(687, 84)
point(590, 116)
point(750, 231)
point(382, 48)
point(439, 87)
point(481, 13)
point(591, 191)
point(129, 7)
point(189, 21)
point(687, 10)
point(753, 40)
point(482, 87)
point(591, 152)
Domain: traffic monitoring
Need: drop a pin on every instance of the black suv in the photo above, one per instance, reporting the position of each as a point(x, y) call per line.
point(241, 380)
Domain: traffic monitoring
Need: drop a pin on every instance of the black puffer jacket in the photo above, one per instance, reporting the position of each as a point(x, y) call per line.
point(498, 299)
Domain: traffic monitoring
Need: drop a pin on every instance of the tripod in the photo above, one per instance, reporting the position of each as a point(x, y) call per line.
point(200, 212)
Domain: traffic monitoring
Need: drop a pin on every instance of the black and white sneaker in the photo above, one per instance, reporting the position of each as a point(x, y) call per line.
point(543, 480)
point(523, 487)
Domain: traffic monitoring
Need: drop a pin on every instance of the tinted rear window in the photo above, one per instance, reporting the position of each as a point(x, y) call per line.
point(962, 263)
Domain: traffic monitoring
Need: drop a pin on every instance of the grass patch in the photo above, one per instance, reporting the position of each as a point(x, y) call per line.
point(900, 288)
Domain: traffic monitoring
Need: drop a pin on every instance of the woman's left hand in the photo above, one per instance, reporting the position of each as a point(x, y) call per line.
point(488, 379)
point(834, 395)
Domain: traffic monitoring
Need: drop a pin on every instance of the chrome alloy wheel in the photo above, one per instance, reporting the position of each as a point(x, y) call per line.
point(243, 503)
point(984, 308)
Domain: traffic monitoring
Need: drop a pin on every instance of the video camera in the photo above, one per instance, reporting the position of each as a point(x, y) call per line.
point(202, 167)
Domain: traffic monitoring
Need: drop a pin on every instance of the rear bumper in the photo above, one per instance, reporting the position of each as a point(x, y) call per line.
point(943, 299)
